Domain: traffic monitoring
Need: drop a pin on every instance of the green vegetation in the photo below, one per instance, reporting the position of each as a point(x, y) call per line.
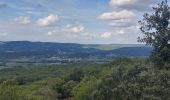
point(156, 30)
point(121, 79)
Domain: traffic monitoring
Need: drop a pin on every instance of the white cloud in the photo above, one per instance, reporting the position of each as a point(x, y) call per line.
point(117, 32)
point(55, 31)
point(88, 35)
point(122, 2)
point(74, 28)
point(106, 35)
point(123, 18)
point(116, 15)
point(67, 30)
point(123, 22)
point(126, 30)
point(49, 20)
point(23, 20)
point(120, 32)
point(33, 12)
point(139, 5)
point(51, 33)
point(73, 31)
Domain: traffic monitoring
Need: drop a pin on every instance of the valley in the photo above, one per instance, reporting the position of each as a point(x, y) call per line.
point(25, 53)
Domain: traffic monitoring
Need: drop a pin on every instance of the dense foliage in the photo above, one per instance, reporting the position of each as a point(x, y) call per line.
point(156, 30)
point(121, 79)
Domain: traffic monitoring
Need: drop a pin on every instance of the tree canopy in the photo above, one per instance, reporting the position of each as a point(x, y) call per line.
point(155, 27)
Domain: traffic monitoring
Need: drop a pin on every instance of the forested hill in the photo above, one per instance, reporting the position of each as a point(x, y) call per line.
point(47, 49)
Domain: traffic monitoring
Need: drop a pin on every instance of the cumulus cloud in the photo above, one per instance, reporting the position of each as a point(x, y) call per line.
point(117, 32)
point(74, 28)
point(120, 32)
point(106, 35)
point(51, 33)
point(72, 31)
point(123, 23)
point(88, 35)
point(123, 18)
point(56, 31)
point(139, 5)
point(47, 21)
point(126, 30)
point(23, 20)
point(116, 15)
point(67, 30)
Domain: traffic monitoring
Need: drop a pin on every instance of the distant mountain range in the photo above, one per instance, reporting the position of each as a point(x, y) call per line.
point(15, 49)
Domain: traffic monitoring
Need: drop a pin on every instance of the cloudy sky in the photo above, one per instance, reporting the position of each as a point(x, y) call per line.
point(72, 21)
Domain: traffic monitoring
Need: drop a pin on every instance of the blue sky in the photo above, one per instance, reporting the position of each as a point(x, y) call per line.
point(72, 21)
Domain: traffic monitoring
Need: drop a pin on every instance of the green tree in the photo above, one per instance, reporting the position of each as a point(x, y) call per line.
point(76, 74)
point(156, 30)
point(9, 90)
point(84, 89)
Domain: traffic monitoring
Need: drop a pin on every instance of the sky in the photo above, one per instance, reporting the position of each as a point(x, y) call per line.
point(73, 21)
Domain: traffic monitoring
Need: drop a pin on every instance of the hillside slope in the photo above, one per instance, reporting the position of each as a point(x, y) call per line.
point(47, 49)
